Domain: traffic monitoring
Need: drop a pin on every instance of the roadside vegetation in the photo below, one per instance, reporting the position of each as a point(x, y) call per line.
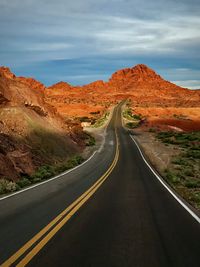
point(96, 121)
point(183, 173)
point(90, 141)
point(43, 173)
point(134, 120)
point(101, 121)
point(87, 119)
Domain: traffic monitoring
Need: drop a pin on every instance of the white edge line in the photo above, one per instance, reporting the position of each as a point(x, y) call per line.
point(57, 176)
point(49, 180)
point(195, 216)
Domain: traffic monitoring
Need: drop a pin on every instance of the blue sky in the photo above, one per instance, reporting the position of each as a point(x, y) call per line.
point(81, 41)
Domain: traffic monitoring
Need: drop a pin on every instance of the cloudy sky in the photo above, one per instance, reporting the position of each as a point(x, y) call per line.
point(80, 41)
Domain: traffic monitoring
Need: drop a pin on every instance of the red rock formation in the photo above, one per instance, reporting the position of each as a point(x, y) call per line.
point(21, 91)
point(140, 84)
point(29, 121)
point(32, 133)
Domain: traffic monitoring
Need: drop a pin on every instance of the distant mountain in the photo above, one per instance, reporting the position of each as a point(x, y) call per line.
point(140, 84)
point(147, 88)
point(37, 124)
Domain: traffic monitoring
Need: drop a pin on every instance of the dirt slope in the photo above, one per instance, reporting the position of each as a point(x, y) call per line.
point(32, 133)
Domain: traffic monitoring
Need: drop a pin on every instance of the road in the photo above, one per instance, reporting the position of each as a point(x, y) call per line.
point(127, 218)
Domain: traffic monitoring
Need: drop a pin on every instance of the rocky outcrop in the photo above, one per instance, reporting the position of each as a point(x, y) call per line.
point(32, 133)
point(142, 85)
point(19, 90)
point(58, 88)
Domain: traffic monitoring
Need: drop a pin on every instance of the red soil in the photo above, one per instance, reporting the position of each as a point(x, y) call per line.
point(185, 125)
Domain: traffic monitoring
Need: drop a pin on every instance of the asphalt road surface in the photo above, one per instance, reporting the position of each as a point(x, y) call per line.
point(111, 211)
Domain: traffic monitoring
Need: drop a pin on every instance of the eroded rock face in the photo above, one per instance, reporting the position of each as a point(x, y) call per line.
point(14, 158)
point(19, 90)
point(5, 71)
point(32, 133)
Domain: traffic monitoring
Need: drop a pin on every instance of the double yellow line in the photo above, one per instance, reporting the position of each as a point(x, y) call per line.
point(56, 224)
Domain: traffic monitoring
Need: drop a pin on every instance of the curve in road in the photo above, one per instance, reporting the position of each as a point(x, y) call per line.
point(131, 220)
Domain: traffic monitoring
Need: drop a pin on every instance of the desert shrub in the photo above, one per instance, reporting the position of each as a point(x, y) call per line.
point(47, 171)
point(152, 130)
point(189, 172)
point(91, 141)
point(61, 168)
point(172, 177)
point(23, 182)
point(84, 119)
point(196, 198)
point(128, 115)
point(79, 159)
point(95, 112)
point(137, 117)
point(130, 125)
point(101, 121)
point(74, 161)
point(193, 154)
point(184, 174)
point(185, 140)
point(7, 186)
point(43, 172)
point(180, 161)
point(36, 180)
point(192, 184)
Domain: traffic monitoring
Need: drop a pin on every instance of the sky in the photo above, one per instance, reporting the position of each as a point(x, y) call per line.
point(80, 41)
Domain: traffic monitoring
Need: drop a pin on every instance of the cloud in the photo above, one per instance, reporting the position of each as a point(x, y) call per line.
point(191, 84)
point(164, 34)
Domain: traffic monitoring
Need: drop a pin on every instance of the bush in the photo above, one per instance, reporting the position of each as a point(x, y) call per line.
point(180, 161)
point(43, 172)
point(152, 130)
point(137, 117)
point(46, 171)
point(189, 172)
point(95, 112)
point(61, 168)
point(128, 115)
point(74, 161)
point(131, 125)
point(172, 177)
point(192, 184)
point(23, 182)
point(36, 180)
point(90, 141)
point(100, 122)
point(193, 154)
point(185, 140)
point(7, 186)
point(79, 159)
point(196, 198)
point(84, 119)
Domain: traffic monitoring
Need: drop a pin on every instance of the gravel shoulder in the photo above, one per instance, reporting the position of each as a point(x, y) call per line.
point(177, 164)
point(158, 153)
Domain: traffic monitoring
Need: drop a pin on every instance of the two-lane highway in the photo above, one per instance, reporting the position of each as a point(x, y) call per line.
point(112, 211)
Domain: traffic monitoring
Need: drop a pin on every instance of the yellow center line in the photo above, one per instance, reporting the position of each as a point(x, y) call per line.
point(66, 214)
